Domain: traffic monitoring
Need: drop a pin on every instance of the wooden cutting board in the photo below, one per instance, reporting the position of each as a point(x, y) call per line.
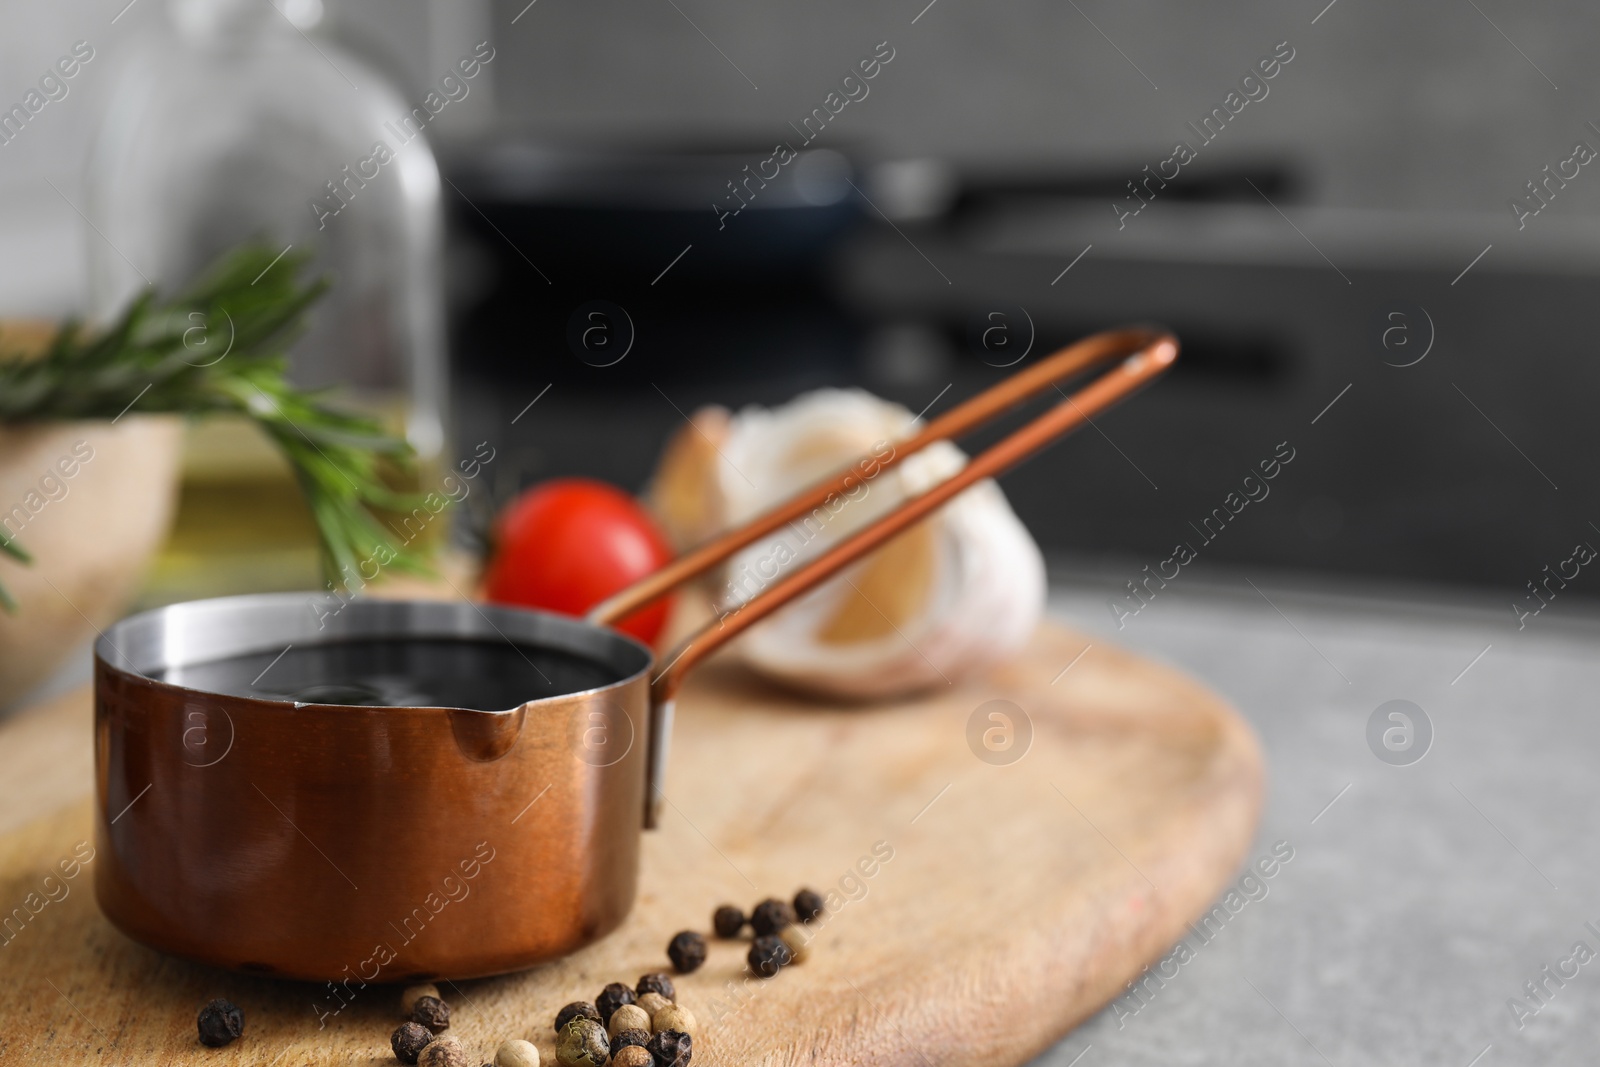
point(1020, 896)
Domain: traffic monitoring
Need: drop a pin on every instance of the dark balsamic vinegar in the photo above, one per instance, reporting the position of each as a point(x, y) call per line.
point(398, 672)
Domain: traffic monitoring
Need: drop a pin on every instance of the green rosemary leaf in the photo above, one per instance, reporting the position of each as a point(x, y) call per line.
point(9, 546)
point(221, 345)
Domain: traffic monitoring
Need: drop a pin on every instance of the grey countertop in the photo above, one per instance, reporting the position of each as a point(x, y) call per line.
point(1421, 897)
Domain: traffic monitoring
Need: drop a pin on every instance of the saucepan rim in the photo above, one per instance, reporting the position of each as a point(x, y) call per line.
point(202, 631)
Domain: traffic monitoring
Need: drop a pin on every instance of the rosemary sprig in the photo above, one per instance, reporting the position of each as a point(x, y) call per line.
point(221, 346)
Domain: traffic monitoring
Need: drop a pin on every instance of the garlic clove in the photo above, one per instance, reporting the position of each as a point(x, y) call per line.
point(961, 589)
point(685, 493)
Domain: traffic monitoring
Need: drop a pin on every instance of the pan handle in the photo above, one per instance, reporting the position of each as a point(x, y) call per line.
point(1144, 354)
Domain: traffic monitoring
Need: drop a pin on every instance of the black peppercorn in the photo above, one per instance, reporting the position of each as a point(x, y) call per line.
point(671, 1048)
point(727, 921)
point(768, 955)
point(409, 1041)
point(808, 904)
point(656, 983)
point(687, 950)
point(578, 1009)
point(432, 1013)
point(611, 998)
point(623, 1038)
point(219, 1022)
point(770, 916)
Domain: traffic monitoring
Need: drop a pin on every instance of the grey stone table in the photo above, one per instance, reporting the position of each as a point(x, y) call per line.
point(1422, 899)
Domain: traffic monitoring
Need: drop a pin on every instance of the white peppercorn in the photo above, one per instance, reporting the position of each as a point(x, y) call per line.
point(798, 938)
point(674, 1017)
point(633, 1056)
point(444, 1052)
point(652, 1003)
point(517, 1053)
point(628, 1017)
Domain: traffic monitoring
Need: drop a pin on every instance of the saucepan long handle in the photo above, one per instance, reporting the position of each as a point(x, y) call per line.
point(1143, 354)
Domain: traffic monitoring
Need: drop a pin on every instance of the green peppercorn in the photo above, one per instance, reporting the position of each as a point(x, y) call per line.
point(808, 904)
point(409, 1041)
point(687, 950)
point(622, 1039)
point(768, 955)
point(770, 916)
point(727, 921)
point(611, 998)
point(578, 1009)
point(583, 1043)
point(432, 1013)
point(656, 983)
point(671, 1048)
point(219, 1022)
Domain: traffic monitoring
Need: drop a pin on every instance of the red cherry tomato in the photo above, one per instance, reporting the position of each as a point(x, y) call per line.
point(566, 545)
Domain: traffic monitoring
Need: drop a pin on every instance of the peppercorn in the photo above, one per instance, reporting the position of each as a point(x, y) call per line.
point(770, 916)
point(656, 983)
point(412, 993)
point(445, 1052)
point(578, 1009)
point(583, 1043)
point(652, 1003)
point(671, 1048)
point(633, 1056)
point(611, 998)
point(628, 1017)
point(638, 1035)
point(768, 955)
point(798, 940)
point(687, 950)
point(674, 1017)
point(432, 1013)
point(517, 1053)
point(220, 1021)
point(727, 921)
point(409, 1041)
point(808, 904)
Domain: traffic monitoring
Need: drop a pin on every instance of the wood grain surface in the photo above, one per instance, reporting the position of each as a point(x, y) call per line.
point(1020, 896)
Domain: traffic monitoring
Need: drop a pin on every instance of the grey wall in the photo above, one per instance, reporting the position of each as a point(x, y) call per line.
point(1421, 105)
point(1411, 105)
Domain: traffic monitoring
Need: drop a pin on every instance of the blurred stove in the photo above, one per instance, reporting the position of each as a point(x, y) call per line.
point(1428, 373)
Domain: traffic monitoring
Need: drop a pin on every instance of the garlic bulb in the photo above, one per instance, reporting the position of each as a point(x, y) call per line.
point(959, 590)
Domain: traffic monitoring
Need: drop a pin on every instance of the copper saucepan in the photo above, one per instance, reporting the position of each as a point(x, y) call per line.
point(303, 825)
